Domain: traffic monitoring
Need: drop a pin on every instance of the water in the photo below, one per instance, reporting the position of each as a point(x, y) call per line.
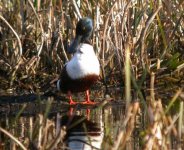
point(56, 125)
point(84, 127)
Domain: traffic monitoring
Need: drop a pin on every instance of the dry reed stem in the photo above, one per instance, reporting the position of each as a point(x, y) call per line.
point(59, 138)
point(30, 64)
point(127, 76)
point(41, 27)
point(18, 61)
point(76, 9)
point(173, 100)
point(171, 126)
point(63, 49)
point(143, 54)
point(131, 124)
point(120, 20)
point(14, 72)
point(104, 40)
point(31, 129)
point(49, 125)
point(160, 127)
point(174, 130)
point(156, 125)
point(16, 35)
point(13, 138)
point(127, 126)
point(180, 122)
point(152, 94)
point(40, 131)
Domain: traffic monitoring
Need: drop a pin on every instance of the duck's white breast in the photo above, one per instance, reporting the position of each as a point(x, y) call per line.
point(83, 63)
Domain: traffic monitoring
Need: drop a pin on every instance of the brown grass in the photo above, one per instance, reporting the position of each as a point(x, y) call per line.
point(34, 38)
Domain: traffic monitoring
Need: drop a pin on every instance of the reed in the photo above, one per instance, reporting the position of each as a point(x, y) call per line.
point(139, 44)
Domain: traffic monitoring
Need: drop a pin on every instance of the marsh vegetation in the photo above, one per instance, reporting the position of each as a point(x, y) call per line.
point(140, 46)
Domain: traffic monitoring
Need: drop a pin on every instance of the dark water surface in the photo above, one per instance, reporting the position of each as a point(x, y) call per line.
point(56, 125)
point(87, 127)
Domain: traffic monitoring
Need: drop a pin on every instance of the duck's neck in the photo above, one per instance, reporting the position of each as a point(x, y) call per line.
point(86, 41)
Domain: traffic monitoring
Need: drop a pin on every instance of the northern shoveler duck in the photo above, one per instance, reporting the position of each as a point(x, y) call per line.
point(83, 69)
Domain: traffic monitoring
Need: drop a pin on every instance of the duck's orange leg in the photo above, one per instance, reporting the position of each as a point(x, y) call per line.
point(70, 113)
point(72, 102)
point(88, 111)
point(88, 101)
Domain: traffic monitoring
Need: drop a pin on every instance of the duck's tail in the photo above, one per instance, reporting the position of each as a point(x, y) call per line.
point(58, 85)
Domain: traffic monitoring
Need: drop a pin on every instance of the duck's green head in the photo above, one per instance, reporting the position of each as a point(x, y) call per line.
point(84, 30)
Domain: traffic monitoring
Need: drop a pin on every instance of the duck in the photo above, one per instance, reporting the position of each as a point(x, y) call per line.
point(83, 69)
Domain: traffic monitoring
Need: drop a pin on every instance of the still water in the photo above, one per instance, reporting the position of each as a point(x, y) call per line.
point(64, 127)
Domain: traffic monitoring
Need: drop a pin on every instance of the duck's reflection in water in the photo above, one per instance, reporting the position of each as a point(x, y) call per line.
point(84, 132)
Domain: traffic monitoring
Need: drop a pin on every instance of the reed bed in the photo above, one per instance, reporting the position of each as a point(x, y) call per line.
point(139, 44)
